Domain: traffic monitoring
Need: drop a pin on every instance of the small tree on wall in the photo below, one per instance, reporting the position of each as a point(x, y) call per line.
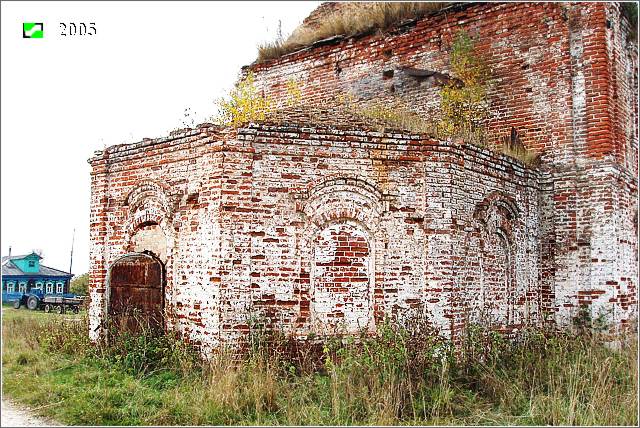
point(464, 107)
point(243, 104)
point(246, 103)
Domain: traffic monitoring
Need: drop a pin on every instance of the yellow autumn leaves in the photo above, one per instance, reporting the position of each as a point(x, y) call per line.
point(246, 103)
point(464, 108)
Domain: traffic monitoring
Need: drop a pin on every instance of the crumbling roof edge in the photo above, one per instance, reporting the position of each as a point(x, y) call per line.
point(339, 38)
point(292, 127)
point(173, 136)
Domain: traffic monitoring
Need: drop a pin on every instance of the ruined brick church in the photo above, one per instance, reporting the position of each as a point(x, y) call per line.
point(327, 226)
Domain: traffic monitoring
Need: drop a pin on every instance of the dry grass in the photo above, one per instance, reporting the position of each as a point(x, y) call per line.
point(361, 19)
point(521, 153)
point(392, 116)
point(512, 146)
point(402, 376)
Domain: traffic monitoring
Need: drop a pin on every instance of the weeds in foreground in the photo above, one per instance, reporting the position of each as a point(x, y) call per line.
point(402, 375)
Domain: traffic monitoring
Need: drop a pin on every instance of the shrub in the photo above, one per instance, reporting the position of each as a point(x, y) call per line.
point(246, 103)
point(464, 107)
point(243, 104)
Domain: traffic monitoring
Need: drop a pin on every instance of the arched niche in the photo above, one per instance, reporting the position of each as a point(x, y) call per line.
point(495, 218)
point(339, 248)
point(342, 278)
point(148, 224)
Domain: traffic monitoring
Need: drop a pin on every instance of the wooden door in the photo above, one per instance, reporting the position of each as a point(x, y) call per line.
point(136, 296)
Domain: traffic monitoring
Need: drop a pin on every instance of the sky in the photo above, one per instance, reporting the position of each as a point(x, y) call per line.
point(63, 97)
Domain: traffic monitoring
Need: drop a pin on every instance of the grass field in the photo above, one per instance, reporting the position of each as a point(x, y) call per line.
point(397, 378)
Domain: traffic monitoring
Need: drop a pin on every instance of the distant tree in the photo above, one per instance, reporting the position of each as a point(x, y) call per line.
point(80, 284)
point(630, 10)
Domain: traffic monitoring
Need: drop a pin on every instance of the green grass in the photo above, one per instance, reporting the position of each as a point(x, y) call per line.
point(23, 314)
point(400, 377)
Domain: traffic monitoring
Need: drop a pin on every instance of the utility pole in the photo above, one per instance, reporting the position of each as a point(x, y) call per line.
point(72, 241)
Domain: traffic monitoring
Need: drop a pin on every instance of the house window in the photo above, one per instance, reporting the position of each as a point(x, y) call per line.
point(49, 287)
point(11, 287)
point(38, 286)
point(60, 288)
point(32, 263)
point(22, 287)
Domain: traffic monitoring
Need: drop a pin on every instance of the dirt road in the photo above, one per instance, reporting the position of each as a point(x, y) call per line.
point(19, 416)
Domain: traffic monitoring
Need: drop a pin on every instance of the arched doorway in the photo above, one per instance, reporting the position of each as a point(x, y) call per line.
point(136, 292)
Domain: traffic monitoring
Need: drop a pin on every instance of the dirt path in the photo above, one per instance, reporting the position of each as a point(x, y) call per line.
point(14, 415)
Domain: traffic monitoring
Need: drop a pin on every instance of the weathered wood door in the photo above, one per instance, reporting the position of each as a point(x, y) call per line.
point(136, 296)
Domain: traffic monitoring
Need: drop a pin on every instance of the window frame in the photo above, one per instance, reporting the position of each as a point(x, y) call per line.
point(11, 287)
point(59, 287)
point(49, 288)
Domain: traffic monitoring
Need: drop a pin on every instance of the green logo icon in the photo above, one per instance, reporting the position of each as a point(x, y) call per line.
point(32, 30)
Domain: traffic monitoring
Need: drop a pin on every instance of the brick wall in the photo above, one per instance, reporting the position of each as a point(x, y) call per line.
point(320, 230)
point(565, 75)
point(268, 225)
point(550, 64)
point(164, 188)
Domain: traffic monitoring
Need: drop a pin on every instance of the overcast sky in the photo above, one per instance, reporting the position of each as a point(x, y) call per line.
point(64, 97)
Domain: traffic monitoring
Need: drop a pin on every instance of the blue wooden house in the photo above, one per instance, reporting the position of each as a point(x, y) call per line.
point(22, 274)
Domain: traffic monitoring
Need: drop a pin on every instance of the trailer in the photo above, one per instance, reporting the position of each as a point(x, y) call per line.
point(48, 303)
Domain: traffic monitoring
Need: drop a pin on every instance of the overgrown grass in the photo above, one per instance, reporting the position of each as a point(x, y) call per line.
point(394, 116)
point(402, 376)
point(350, 21)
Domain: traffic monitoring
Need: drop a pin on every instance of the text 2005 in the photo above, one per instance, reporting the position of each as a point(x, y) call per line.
point(77, 29)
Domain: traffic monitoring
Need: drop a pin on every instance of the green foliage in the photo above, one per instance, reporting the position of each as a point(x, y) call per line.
point(405, 374)
point(586, 323)
point(147, 353)
point(464, 105)
point(630, 11)
point(67, 336)
point(80, 284)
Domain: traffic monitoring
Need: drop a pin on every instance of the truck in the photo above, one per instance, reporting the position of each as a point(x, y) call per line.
point(36, 300)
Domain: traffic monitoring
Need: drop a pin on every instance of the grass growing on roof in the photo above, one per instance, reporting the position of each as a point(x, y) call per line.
point(350, 21)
